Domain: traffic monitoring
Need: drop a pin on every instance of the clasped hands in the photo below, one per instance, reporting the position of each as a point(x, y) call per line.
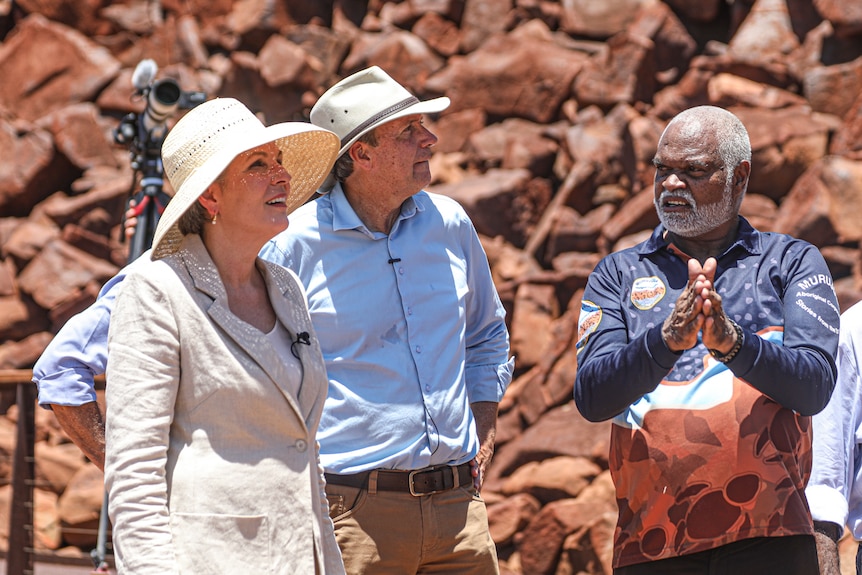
point(699, 310)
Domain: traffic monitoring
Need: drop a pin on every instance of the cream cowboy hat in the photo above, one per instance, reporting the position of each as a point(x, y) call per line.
point(208, 138)
point(361, 102)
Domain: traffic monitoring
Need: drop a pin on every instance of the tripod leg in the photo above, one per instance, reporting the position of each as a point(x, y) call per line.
point(98, 554)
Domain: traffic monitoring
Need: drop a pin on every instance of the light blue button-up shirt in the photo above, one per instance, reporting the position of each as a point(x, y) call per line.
point(408, 344)
point(66, 370)
point(411, 328)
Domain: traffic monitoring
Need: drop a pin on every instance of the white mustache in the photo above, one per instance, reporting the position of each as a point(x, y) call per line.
point(687, 196)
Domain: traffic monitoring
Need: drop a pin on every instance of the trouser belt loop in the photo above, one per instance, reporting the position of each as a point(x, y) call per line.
point(456, 479)
point(372, 482)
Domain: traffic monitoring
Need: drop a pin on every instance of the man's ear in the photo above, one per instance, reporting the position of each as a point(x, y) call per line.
point(359, 154)
point(739, 183)
point(741, 173)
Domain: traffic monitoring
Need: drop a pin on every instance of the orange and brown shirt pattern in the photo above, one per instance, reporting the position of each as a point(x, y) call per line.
point(730, 471)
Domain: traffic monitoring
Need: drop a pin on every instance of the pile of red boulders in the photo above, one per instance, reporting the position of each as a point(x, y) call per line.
point(556, 110)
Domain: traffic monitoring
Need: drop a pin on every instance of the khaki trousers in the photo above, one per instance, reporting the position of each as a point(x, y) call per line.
point(394, 533)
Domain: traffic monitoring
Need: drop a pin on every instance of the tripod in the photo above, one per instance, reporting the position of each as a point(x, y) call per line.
point(149, 203)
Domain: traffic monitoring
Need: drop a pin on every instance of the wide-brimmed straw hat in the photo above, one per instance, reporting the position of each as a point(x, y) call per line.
point(208, 138)
point(361, 102)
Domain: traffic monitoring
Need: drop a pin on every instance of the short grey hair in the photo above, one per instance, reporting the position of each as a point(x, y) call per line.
point(734, 145)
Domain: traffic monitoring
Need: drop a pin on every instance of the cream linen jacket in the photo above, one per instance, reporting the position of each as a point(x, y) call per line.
point(212, 465)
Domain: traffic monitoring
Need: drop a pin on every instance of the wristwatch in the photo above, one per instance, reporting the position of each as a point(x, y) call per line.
point(725, 357)
point(832, 530)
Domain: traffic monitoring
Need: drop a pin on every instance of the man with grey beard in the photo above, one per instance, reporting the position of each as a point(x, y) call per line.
point(709, 346)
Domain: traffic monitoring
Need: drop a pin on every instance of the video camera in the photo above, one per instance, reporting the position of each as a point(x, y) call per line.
point(144, 134)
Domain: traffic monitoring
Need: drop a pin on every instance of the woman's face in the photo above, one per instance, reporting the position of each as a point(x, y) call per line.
point(250, 194)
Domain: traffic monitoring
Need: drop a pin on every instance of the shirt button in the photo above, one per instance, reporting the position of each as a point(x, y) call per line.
point(401, 271)
point(301, 445)
point(418, 349)
point(409, 311)
point(427, 388)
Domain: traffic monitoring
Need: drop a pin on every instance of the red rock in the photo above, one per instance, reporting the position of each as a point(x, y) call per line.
point(47, 534)
point(833, 89)
point(535, 310)
point(56, 465)
point(29, 238)
point(561, 431)
point(842, 181)
point(404, 56)
point(510, 516)
point(760, 211)
point(25, 351)
point(58, 270)
point(439, 33)
point(766, 33)
point(83, 136)
point(80, 506)
point(23, 181)
point(21, 317)
point(637, 214)
point(482, 19)
point(524, 74)
point(784, 144)
point(552, 478)
point(804, 213)
point(599, 19)
point(488, 200)
point(56, 66)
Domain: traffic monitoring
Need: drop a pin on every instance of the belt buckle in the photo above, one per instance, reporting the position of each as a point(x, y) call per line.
point(440, 468)
point(410, 477)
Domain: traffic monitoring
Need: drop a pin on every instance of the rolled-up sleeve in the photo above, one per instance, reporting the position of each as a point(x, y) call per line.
point(487, 368)
point(66, 370)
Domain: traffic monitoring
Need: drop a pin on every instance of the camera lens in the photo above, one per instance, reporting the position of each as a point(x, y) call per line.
point(163, 100)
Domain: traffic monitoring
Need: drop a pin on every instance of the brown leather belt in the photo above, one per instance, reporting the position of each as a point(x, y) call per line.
point(418, 482)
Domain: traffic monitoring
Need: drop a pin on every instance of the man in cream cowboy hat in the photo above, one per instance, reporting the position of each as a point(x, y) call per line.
point(413, 336)
point(412, 332)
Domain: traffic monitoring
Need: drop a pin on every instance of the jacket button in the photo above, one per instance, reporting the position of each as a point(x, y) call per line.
point(301, 445)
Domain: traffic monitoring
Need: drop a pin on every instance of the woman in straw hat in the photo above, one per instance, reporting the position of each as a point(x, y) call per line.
point(216, 380)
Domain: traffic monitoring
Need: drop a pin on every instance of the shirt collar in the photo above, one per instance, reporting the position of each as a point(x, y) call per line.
point(345, 218)
point(747, 238)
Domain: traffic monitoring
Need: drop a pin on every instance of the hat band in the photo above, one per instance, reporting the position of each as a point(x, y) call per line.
point(379, 116)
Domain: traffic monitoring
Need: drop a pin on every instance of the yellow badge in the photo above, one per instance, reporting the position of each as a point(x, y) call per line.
point(646, 292)
point(588, 322)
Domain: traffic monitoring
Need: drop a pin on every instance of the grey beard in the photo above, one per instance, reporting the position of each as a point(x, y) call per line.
point(700, 220)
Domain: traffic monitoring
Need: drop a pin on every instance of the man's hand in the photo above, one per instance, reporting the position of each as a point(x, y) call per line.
point(718, 331)
point(485, 414)
point(130, 221)
point(680, 329)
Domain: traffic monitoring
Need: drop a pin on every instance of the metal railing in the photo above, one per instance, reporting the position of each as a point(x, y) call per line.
point(21, 554)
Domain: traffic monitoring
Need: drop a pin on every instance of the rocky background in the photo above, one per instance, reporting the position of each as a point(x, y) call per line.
point(556, 110)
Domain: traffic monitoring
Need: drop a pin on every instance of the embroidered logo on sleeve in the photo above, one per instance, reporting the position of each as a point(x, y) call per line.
point(588, 322)
point(646, 292)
